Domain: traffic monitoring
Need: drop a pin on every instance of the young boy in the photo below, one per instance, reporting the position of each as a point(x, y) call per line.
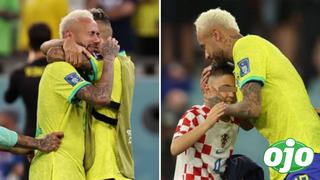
point(203, 140)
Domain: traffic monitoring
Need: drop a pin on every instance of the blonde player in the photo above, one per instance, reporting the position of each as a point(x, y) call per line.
point(64, 93)
point(270, 91)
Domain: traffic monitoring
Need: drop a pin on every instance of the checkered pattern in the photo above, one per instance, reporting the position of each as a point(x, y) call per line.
point(205, 160)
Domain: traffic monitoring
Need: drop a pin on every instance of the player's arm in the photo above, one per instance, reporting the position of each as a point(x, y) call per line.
point(250, 106)
point(180, 144)
point(212, 97)
point(65, 50)
point(20, 144)
point(49, 44)
point(50, 142)
point(100, 94)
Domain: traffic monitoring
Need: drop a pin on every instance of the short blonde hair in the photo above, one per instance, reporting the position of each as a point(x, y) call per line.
point(214, 17)
point(72, 17)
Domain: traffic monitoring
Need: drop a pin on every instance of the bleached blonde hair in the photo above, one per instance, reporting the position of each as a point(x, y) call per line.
point(214, 17)
point(72, 17)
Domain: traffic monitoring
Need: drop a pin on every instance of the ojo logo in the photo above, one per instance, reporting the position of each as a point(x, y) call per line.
point(288, 156)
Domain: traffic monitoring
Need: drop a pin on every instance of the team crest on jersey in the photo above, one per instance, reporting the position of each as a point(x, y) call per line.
point(73, 79)
point(244, 67)
point(224, 139)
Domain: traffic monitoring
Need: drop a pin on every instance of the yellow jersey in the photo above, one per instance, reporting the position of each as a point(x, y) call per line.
point(105, 162)
point(49, 12)
point(286, 109)
point(59, 110)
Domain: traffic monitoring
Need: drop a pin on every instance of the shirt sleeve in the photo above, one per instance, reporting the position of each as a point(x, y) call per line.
point(250, 64)
point(8, 138)
point(67, 81)
point(185, 124)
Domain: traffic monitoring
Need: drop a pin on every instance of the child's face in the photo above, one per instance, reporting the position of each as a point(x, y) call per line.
point(225, 85)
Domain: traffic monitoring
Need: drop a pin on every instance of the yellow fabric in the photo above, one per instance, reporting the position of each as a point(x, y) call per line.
point(45, 11)
point(33, 71)
point(286, 109)
point(58, 86)
point(146, 20)
point(116, 88)
point(89, 140)
point(105, 164)
point(124, 155)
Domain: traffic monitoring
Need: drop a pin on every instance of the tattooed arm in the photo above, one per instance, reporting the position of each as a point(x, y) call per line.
point(100, 94)
point(49, 44)
point(47, 144)
point(250, 106)
point(66, 50)
point(26, 144)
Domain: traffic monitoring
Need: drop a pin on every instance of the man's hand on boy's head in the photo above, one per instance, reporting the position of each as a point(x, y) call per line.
point(204, 78)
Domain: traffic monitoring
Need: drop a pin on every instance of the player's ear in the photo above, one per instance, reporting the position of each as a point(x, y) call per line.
point(68, 34)
point(206, 88)
point(216, 34)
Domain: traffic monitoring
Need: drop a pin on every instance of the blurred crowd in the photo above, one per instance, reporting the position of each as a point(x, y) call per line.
point(135, 25)
point(135, 22)
point(292, 25)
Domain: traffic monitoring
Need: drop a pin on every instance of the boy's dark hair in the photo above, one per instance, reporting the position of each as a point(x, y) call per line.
point(100, 15)
point(38, 33)
point(221, 69)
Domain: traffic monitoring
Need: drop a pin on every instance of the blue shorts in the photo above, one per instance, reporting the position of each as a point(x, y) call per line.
point(312, 172)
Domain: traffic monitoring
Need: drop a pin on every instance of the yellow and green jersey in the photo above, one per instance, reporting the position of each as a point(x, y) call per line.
point(286, 109)
point(59, 110)
point(105, 162)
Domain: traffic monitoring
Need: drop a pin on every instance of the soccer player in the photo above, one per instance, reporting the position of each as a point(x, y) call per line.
point(64, 92)
point(270, 91)
point(20, 144)
point(206, 141)
point(105, 119)
point(108, 154)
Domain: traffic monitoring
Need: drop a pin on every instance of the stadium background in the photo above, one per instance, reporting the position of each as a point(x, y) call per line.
point(292, 25)
point(143, 48)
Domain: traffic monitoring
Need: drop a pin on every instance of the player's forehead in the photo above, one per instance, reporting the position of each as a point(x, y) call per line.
point(222, 80)
point(88, 25)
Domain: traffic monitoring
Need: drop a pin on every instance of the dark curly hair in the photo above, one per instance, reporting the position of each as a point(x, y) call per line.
point(100, 15)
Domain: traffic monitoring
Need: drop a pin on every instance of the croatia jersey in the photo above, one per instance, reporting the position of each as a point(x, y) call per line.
point(206, 159)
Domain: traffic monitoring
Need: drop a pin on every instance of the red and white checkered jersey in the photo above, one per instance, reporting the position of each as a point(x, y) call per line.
point(206, 159)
